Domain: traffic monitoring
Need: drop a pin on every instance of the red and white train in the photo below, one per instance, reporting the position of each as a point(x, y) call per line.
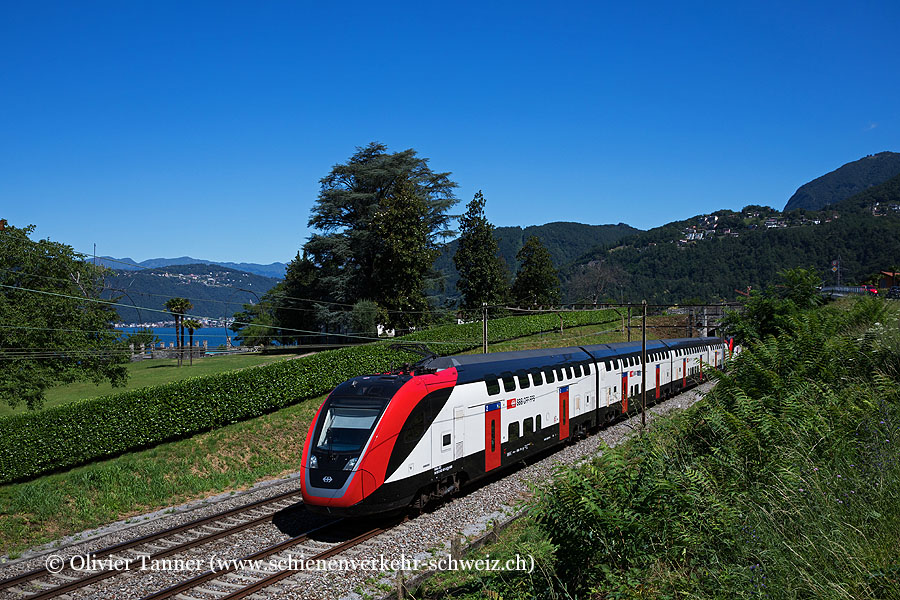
point(383, 442)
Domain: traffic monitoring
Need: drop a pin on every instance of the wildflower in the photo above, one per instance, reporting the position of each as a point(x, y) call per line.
point(801, 489)
point(839, 476)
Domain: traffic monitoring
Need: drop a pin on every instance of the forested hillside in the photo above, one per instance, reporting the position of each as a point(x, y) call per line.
point(565, 241)
point(662, 265)
point(844, 182)
point(214, 290)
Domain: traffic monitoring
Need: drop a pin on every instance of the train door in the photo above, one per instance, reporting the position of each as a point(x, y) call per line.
point(459, 423)
point(625, 392)
point(492, 436)
point(657, 382)
point(563, 412)
point(684, 373)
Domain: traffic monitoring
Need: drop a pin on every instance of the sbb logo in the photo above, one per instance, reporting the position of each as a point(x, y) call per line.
point(511, 403)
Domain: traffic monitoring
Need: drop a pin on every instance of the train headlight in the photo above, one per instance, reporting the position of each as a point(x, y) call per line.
point(313, 461)
point(350, 464)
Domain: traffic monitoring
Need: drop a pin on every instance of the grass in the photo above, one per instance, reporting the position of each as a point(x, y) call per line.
point(230, 458)
point(148, 373)
point(603, 333)
point(783, 483)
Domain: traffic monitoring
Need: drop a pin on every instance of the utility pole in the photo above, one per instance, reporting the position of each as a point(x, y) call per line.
point(644, 365)
point(629, 322)
point(484, 327)
point(691, 322)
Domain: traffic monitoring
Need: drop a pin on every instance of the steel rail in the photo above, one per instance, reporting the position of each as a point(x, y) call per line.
point(284, 574)
point(152, 537)
point(232, 564)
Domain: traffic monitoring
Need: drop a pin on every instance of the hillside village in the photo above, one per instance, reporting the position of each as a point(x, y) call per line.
point(726, 223)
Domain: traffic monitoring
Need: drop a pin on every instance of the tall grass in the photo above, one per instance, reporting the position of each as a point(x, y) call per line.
point(783, 483)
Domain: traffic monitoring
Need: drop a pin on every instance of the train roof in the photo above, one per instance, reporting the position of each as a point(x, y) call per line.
point(475, 366)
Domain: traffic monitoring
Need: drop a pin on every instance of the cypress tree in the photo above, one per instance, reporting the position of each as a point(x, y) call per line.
point(482, 275)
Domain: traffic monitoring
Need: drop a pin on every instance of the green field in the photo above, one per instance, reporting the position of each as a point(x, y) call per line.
point(602, 333)
point(148, 373)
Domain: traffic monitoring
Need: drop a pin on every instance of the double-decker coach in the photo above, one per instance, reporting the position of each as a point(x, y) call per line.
point(384, 442)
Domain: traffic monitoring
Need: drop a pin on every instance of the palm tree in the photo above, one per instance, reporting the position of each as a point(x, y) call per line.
point(179, 306)
point(173, 305)
point(191, 325)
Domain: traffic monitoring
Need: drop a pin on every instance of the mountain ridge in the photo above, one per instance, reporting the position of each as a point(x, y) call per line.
point(565, 240)
point(275, 269)
point(216, 292)
point(844, 182)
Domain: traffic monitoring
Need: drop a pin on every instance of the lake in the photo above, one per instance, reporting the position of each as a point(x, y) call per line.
point(214, 336)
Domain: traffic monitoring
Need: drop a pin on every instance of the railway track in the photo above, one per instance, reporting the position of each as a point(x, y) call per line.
point(245, 576)
point(40, 584)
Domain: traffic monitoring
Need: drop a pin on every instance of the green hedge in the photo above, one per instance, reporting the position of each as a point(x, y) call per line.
point(86, 430)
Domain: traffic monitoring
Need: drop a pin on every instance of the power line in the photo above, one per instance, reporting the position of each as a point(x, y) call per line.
point(234, 302)
point(194, 316)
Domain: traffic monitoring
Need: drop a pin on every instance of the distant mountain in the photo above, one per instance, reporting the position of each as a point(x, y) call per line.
point(215, 291)
point(275, 269)
point(844, 182)
point(708, 257)
point(566, 241)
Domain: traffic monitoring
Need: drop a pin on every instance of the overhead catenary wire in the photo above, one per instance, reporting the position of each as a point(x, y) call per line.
point(195, 316)
point(238, 302)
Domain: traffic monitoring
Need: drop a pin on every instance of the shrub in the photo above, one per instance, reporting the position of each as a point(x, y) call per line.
point(79, 432)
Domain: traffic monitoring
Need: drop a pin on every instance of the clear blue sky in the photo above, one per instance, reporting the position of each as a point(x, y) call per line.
point(202, 129)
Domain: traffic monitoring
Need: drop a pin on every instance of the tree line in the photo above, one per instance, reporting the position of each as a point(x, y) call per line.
point(380, 220)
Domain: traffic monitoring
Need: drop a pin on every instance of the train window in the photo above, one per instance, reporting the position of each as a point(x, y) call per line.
point(587, 368)
point(493, 386)
point(559, 375)
point(528, 426)
point(509, 384)
point(513, 431)
point(536, 375)
point(523, 380)
point(615, 389)
point(538, 422)
point(548, 374)
point(445, 441)
point(570, 373)
point(608, 364)
point(493, 435)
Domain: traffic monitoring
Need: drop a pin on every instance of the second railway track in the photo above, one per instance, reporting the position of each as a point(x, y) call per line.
point(248, 575)
point(40, 584)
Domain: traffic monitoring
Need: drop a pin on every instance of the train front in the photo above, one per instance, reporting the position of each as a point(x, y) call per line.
point(346, 451)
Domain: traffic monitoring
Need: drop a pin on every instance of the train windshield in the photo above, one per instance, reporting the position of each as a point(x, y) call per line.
point(346, 426)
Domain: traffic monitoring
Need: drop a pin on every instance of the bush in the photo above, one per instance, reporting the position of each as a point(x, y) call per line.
point(79, 432)
point(783, 482)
